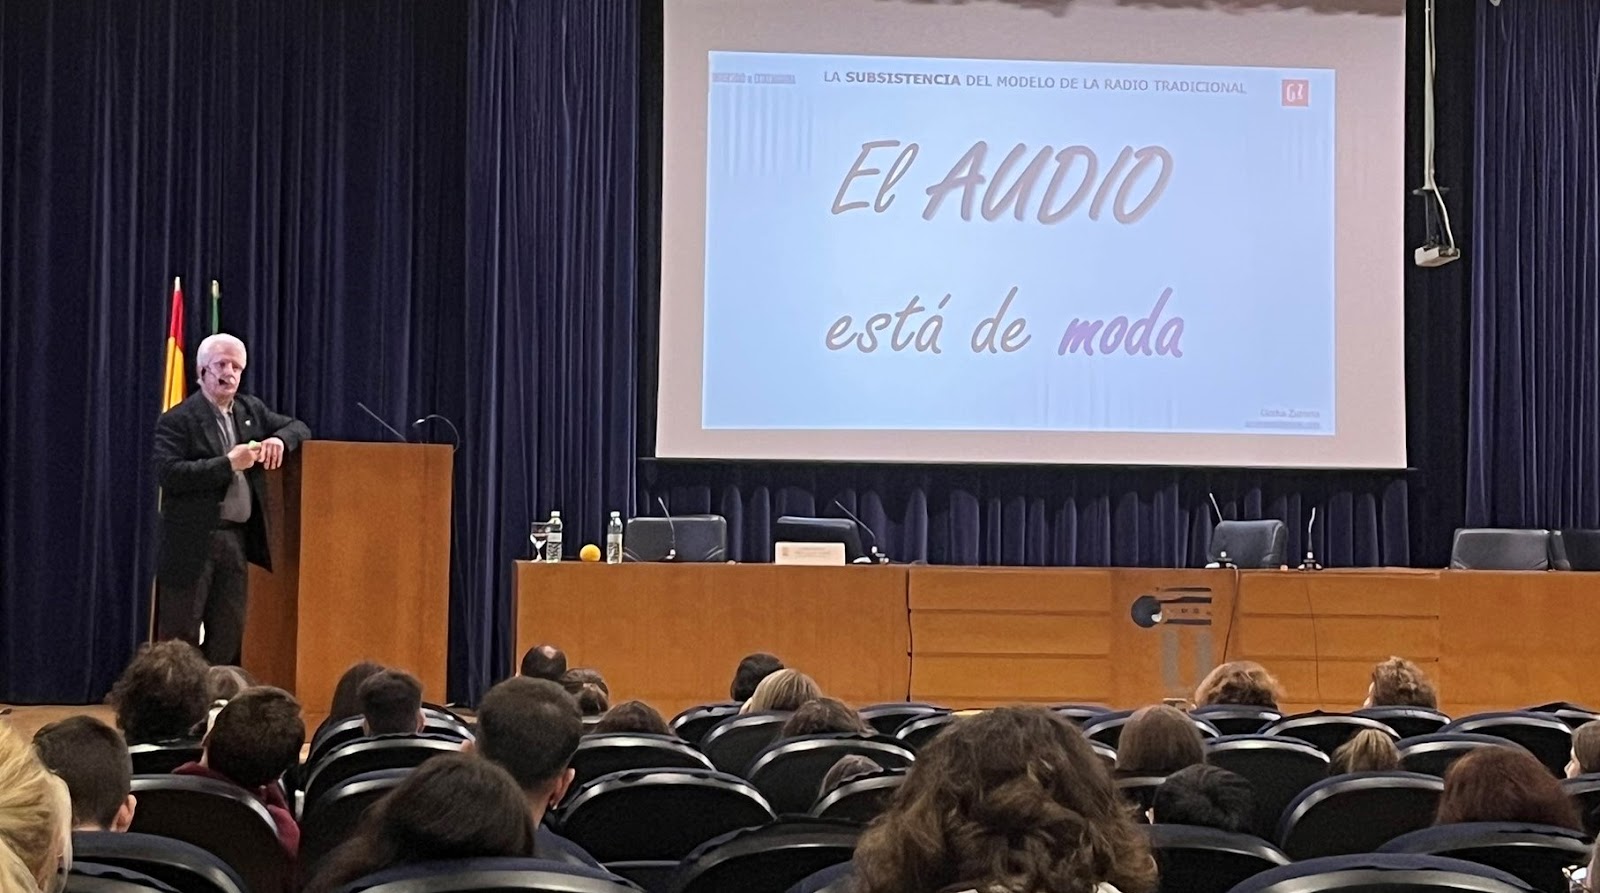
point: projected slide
(915, 244)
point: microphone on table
(386, 426)
(672, 532)
(874, 555)
(1214, 507)
(455, 443)
(1222, 557)
(1310, 563)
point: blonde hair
(35, 820)
(783, 690)
(1241, 682)
(1369, 750)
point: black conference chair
(1585, 792)
(1575, 550)
(1407, 722)
(162, 757)
(861, 799)
(734, 742)
(641, 824)
(91, 877)
(1500, 549)
(489, 876)
(767, 859)
(1546, 736)
(1573, 715)
(182, 866)
(1433, 754)
(1383, 873)
(345, 731)
(599, 755)
(918, 731)
(1250, 544)
(1233, 719)
(692, 724)
(336, 814)
(886, 719)
(1139, 791)
(1357, 813)
(1192, 859)
(370, 755)
(696, 538)
(789, 772)
(1325, 731)
(1080, 714)
(1538, 854)
(1277, 768)
(1106, 753)
(1107, 729)
(218, 817)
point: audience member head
(1398, 682)
(752, 669)
(1014, 798)
(786, 689)
(544, 662)
(1369, 750)
(257, 737)
(93, 760)
(1504, 784)
(1585, 750)
(163, 693)
(636, 717)
(346, 695)
(531, 727)
(576, 678)
(849, 767)
(592, 700)
(822, 716)
(225, 681)
(451, 807)
(1205, 795)
(35, 820)
(1158, 741)
(391, 703)
(1243, 683)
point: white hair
(209, 345)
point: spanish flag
(172, 387)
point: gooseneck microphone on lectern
(1311, 563)
(455, 443)
(874, 554)
(379, 419)
(672, 532)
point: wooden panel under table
(1515, 639)
(672, 634)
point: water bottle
(614, 539)
(552, 543)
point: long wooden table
(972, 637)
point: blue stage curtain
(1534, 444)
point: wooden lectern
(360, 537)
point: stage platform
(671, 635)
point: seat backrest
(692, 724)
(345, 731)
(1107, 728)
(689, 538)
(1407, 722)
(486, 875)
(772, 857)
(1325, 731)
(370, 755)
(599, 755)
(221, 818)
(886, 719)
(1250, 544)
(1500, 549)
(1433, 754)
(1192, 859)
(162, 757)
(1383, 873)
(1278, 769)
(734, 742)
(1139, 791)
(1357, 813)
(1106, 753)
(1080, 714)
(1585, 792)
(1547, 736)
(182, 866)
(92, 877)
(334, 817)
(789, 772)
(1233, 719)
(1573, 715)
(659, 814)
(1538, 854)
(861, 799)
(1575, 550)
(918, 731)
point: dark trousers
(215, 598)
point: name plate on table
(808, 553)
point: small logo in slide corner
(1296, 93)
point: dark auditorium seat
(91, 877)
(1538, 854)
(1192, 859)
(659, 815)
(687, 538)
(346, 731)
(162, 757)
(1325, 731)
(861, 799)
(1107, 728)
(370, 755)
(1357, 813)
(599, 755)
(1547, 736)
(1106, 753)
(1139, 791)
(1585, 791)
(1500, 549)
(1233, 719)
(734, 742)
(1383, 873)
(1278, 769)
(182, 866)
(335, 815)
(692, 724)
(917, 732)
(1080, 714)
(790, 771)
(886, 719)
(1575, 550)
(1433, 754)
(489, 876)
(218, 817)
(1407, 722)
(1250, 544)
(1573, 715)
(766, 859)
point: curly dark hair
(163, 693)
(1013, 798)
(1242, 682)
(1398, 682)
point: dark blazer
(192, 467)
